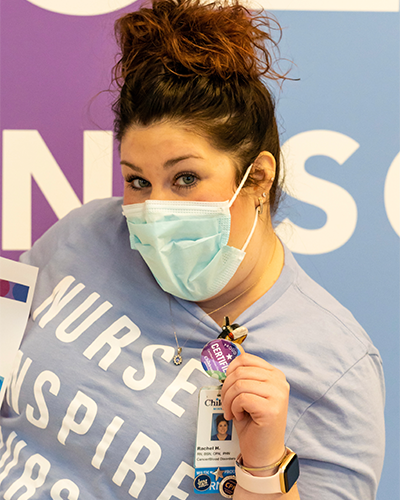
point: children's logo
(217, 402)
(81, 7)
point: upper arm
(340, 437)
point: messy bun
(201, 65)
(191, 38)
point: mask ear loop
(234, 198)
(240, 186)
(251, 232)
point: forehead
(162, 144)
(165, 134)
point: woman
(103, 400)
(222, 429)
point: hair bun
(188, 38)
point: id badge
(217, 446)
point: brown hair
(201, 65)
(220, 418)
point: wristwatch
(281, 482)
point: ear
(263, 171)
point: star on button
(218, 474)
(229, 356)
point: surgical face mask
(184, 243)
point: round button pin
(227, 486)
(216, 357)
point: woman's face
(168, 162)
(222, 427)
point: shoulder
(96, 218)
(322, 327)
(304, 328)
(90, 248)
(91, 216)
(315, 341)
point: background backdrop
(339, 124)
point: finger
(246, 373)
(265, 412)
(278, 394)
(255, 388)
(257, 373)
(247, 359)
(247, 405)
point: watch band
(269, 484)
(255, 484)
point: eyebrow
(174, 161)
(167, 164)
(131, 165)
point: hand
(256, 395)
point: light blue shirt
(97, 410)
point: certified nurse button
(217, 355)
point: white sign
(17, 284)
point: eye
(186, 180)
(137, 182)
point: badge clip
(234, 333)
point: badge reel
(217, 444)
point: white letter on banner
(339, 206)
(329, 5)
(128, 463)
(96, 7)
(81, 7)
(392, 194)
(80, 401)
(46, 376)
(97, 163)
(64, 485)
(26, 155)
(31, 478)
(172, 488)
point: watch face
(292, 472)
